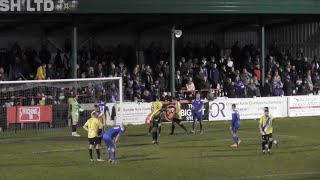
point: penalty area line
(279, 175)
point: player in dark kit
(155, 119)
(177, 117)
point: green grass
(58, 156)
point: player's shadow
(137, 135)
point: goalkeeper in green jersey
(75, 109)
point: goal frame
(118, 105)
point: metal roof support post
(172, 65)
(74, 49)
(262, 72)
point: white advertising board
(249, 108)
(303, 106)
(135, 113)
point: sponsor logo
(38, 5)
(29, 114)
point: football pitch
(58, 156)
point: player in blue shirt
(198, 106)
(104, 108)
(235, 125)
(110, 137)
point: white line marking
(277, 175)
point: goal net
(46, 105)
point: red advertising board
(29, 114)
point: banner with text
(29, 114)
(249, 108)
(303, 106)
(135, 113)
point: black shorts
(156, 122)
(93, 141)
(266, 137)
(175, 120)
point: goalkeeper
(155, 119)
(75, 108)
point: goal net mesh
(28, 106)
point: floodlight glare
(178, 33)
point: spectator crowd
(234, 73)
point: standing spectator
(239, 88)
(214, 76)
(308, 82)
(147, 96)
(41, 72)
(147, 78)
(91, 72)
(204, 83)
(178, 81)
(229, 89)
(306, 66)
(257, 72)
(252, 90)
(277, 86)
(112, 70)
(316, 81)
(294, 75)
(3, 76)
(245, 76)
(288, 87)
(135, 73)
(315, 65)
(210, 95)
(232, 73)
(236, 54)
(267, 89)
(229, 63)
(50, 72)
(45, 55)
(198, 78)
(99, 72)
(162, 82)
(129, 91)
(190, 85)
(17, 69)
(249, 65)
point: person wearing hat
(266, 129)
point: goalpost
(45, 104)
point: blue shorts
(235, 128)
(198, 116)
(109, 142)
